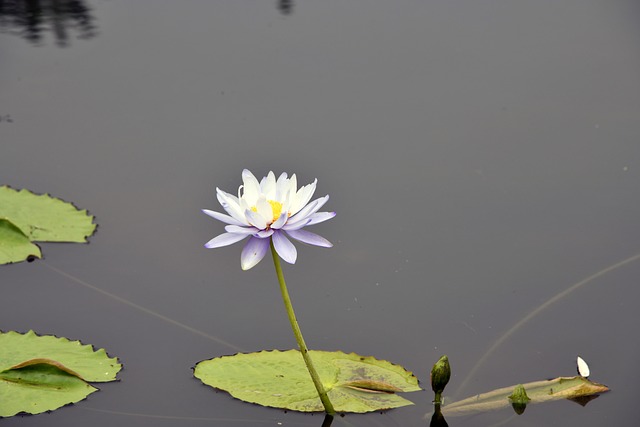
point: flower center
(276, 208)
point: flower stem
(328, 407)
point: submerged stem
(328, 407)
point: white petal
(244, 206)
(303, 214)
(285, 248)
(224, 239)
(253, 252)
(583, 368)
(282, 186)
(309, 210)
(293, 184)
(251, 189)
(231, 204)
(255, 219)
(302, 197)
(229, 198)
(222, 217)
(286, 202)
(264, 209)
(268, 186)
(310, 238)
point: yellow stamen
(276, 207)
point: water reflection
(519, 407)
(437, 419)
(32, 19)
(285, 7)
(328, 419)
(583, 400)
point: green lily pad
(43, 373)
(573, 388)
(38, 388)
(280, 379)
(89, 364)
(15, 246)
(40, 218)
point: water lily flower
(266, 211)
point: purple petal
(319, 217)
(310, 238)
(321, 201)
(302, 215)
(284, 247)
(240, 230)
(282, 220)
(222, 217)
(224, 239)
(296, 225)
(253, 252)
(263, 234)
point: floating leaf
(43, 373)
(94, 366)
(38, 388)
(280, 379)
(41, 218)
(15, 246)
(44, 218)
(538, 392)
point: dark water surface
(482, 156)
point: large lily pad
(43, 373)
(559, 388)
(15, 246)
(40, 218)
(280, 379)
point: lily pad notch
(26, 217)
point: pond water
(482, 157)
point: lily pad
(15, 246)
(559, 388)
(43, 373)
(38, 388)
(41, 218)
(89, 364)
(280, 379)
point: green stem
(328, 407)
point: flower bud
(440, 374)
(519, 399)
